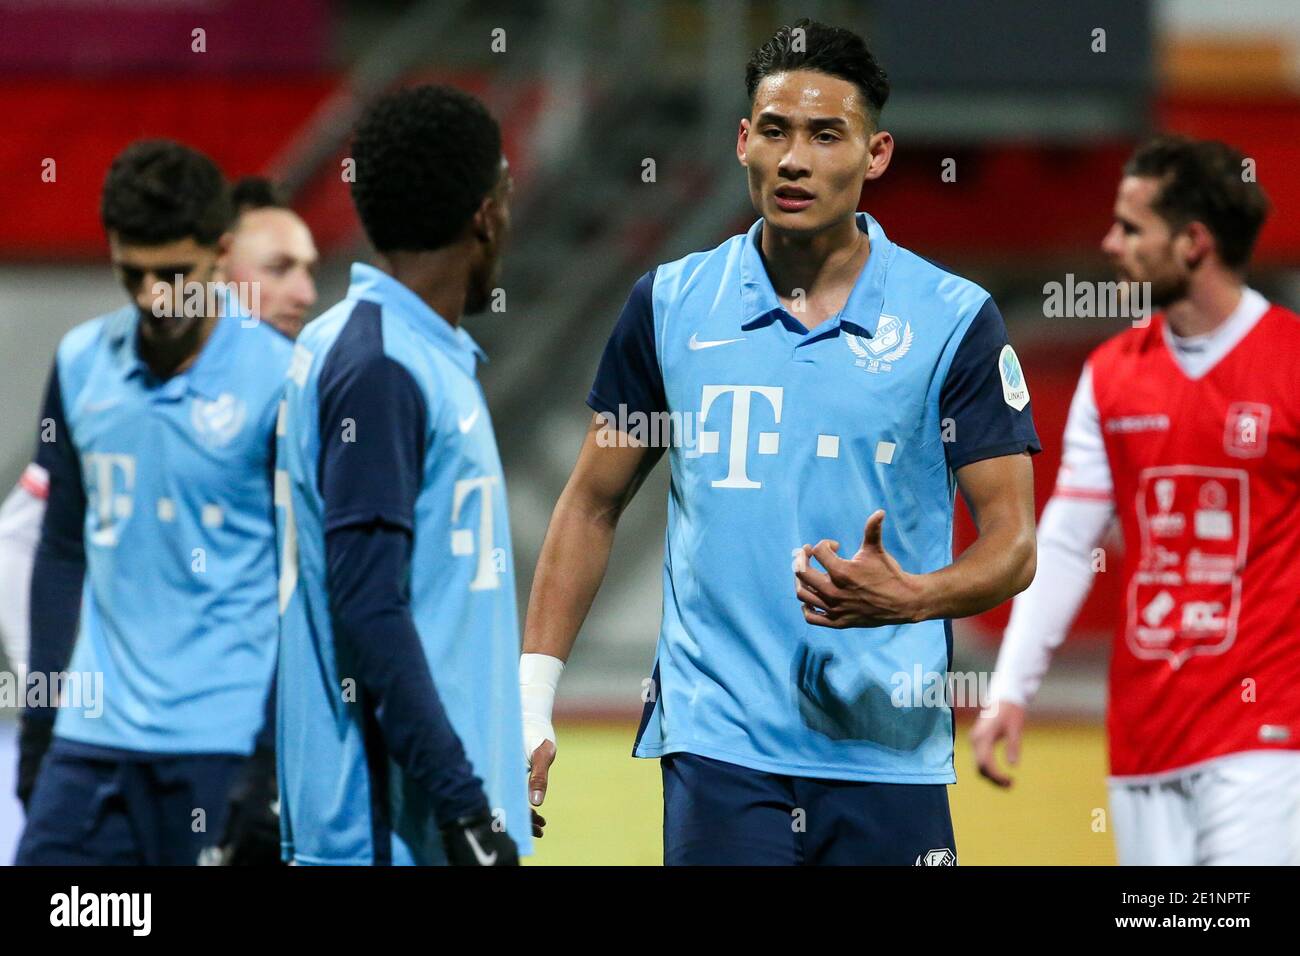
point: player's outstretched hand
(474, 841)
(1003, 721)
(868, 590)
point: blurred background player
(399, 630)
(157, 438)
(267, 244)
(846, 354)
(1188, 430)
(270, 249)
(269, 259)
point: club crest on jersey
(218, 421)
(1245, 433)
(893, 340)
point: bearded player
(268, 247)
(156, 560)
(1188, 430)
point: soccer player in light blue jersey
(816, 376)
(154, 583)
(399, 723)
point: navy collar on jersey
(209, 374)
(378, 286)
(760, 306)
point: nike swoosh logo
(695, 344)
(465, 424)
(484, 859)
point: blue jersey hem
(299, 860)
(794, 770)
(184, 748)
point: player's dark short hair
(426, 156)
(158, 191)
(809, 45)
(1205, 181)
(255, 192)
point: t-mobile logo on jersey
(486, 575)
(769, 442)
(104, 501)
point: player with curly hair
(399, 719)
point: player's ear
(1199, 242)
(224, 244)
(742, 140)
(881, 148)
(483, 225)
(489, 221)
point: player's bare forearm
(1002, 560)
(576, 550)
(569, 571)
(871, 589)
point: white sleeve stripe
(1041, 616)
(1091, 494)
(1084, 463)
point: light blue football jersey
(344, 799)
(178, 610)
(790, 436)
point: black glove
(475, 841)
(34, 736)
(252, 833)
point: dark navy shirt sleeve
(372, 426)
(59, 570)
(978, 420)
(368, 571)
(629, 372)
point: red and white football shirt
(1202, 446)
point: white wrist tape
(538, 676)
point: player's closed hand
(252, 831)
(479, 841)
(1004, 721)
(868, 590)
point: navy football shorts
(721, 814)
